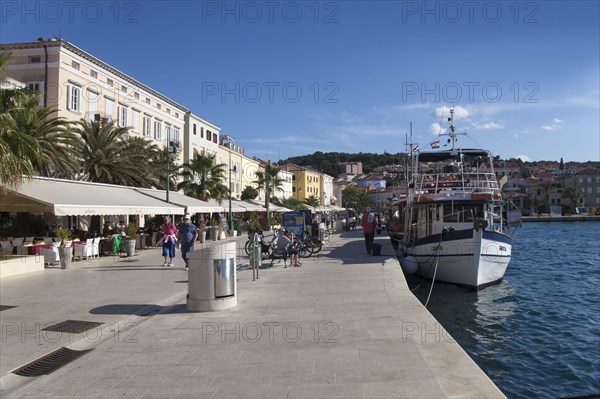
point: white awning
(249, 206)
(192, 205)
(224, 205)
(76, 198)
(272, 206)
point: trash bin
(224, 272)
(377, 249)
(212, 278)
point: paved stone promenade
(342, 325)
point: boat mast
(452, 131)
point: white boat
(454, 229)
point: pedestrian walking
(169, 241)
(368, 223)
(187, 234)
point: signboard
(294, 221)
(307, 216)
(555, 210)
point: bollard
(255, 257)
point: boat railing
(457, 183)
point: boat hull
(471, 258)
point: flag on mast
(415, 148)
(435, 144)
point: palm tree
(547, 189)
(269, 181)
(18, 150)
(572, 193)
(534, 206)
(157, 165)
(291, 203)
(312, 201)
(106, 156)
(203, 178)
(55, 141)
(249, 193)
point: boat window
(450, 214)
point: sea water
(537, 333)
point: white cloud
(459, 112)
(488, 125)
(523, 158)
(557, 124)
(435, 129)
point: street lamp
(234, 170)
(168, 152)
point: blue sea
(536, 334)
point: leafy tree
(203, 178)
(249, 193)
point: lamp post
(168, 155)
(230, 189)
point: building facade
(327, 196)
(351, 168)
(77, 85)
(306, 182)
(200, 137)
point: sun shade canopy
(193, 205)
(77, 198)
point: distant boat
(455, 225)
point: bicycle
(314, 244)
(266, 248)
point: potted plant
(214, 229)
(202, 230)
(64, 252)
(237, 225)
(130, 238)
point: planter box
(16, 265)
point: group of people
(184, 237)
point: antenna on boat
(452, 130)
(453, 133)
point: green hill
(327, 162)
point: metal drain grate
(6, 307)
(50, 363)
(72, 326)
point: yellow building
(306, 182)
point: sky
(288, 78)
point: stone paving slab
(342, 325)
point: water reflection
(472, 318)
